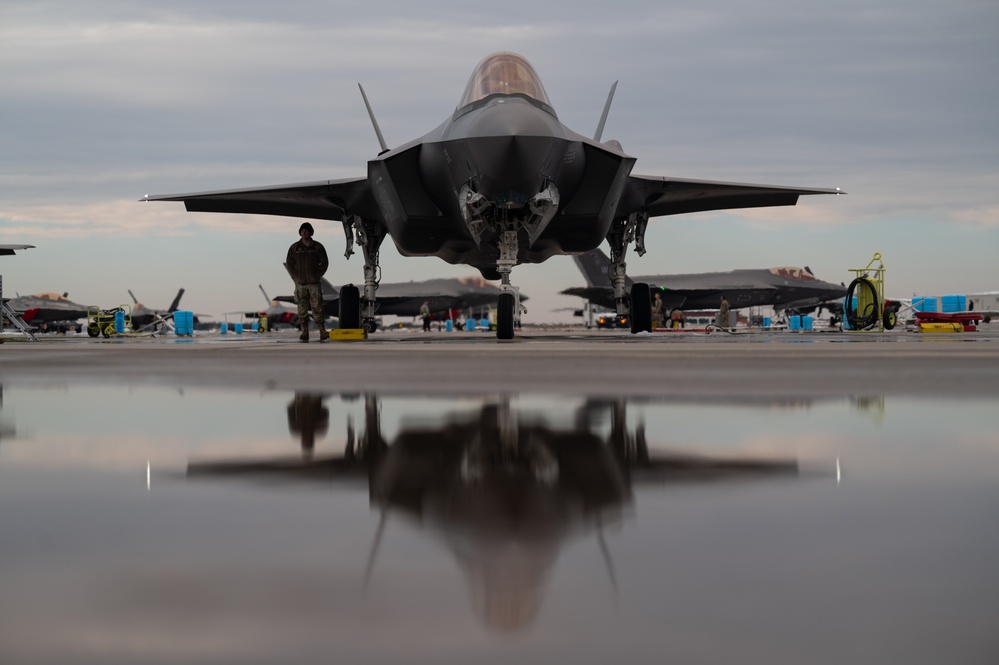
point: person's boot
(304, 337)
(323, 335)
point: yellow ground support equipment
(348, 334)
(107, 322)
(865, 299)
(927, 327)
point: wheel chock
(348, 334)
(941, 327)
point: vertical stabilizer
(327, 289)
(176, 301)
(595, 267)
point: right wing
(322, 199)
(660, 195)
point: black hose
(871, 315)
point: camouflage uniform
(307, 264)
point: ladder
(6, 311)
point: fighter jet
(144, 317)
(781, 288)
(500, 182)
(445, 297)
(277, 312)
(45, 308)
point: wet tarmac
(568, 496)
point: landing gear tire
(641, 308)
(369, 326)
(504, 316)
(889, 319)
(350, 307)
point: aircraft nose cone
(511, 117)
(510, 145)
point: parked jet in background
(277, 312)
(780, 288)
(499, 183)
(144, 317)
(444, 296)
(45, 308)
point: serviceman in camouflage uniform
(307, 262)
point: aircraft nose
(511, 146)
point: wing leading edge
(663, 195)
(321, 199)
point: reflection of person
(657, 311)
(307, 417)
(425, 315)
(723, 309)
(307, 263)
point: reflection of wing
(673, 196)
(322, 199)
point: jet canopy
(801, 275)
(504, 73)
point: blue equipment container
(256, 326)
(183, 322)
(953, 303)
(119, 322)
(806, 322)
(794, 322)
(237, 328)
(766, 323)
(448, 326)
(484, 323)
(470, 325)
(224, 328)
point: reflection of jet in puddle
(500, 487)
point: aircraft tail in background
(176, 301)
(595, 266)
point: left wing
(322, 199)
(8, 250)
(660, 195)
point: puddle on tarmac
(147, 525)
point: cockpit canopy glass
(503, 73)
(793, 273)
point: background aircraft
(500, 182)
(46, 308)
(446, 297)
(145, 317)
(500, 487)
(277, 313)
(780, 288)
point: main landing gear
(636, 305)
(357, 310)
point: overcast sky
(102, 102)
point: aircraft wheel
(890, 318)
(504, 316)
(369, 325)
(350, 306)
(93, 329)
(641, 308)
